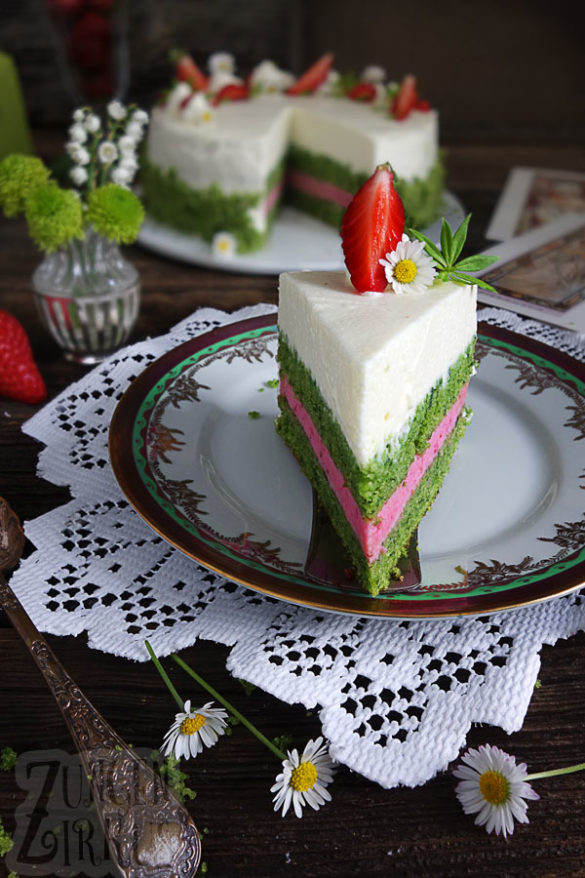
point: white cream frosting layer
(374, 357)
(244, 140)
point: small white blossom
(177, 95)
(107, 152)
(140, 117)
(92, 123)
(122, 176)
(116, 111)
(221, 78)
(78, 133)
(329, 86)
(303, 780)
(127, 145)
(223, 245)
(79, 175)
(268, 77)
(129, 163)
(493, 786)
(78, 153)
(135, 130)
(198, 109)
(221, 62)
(79, 115)
(373, 73)
(408, 268)
(194, 729)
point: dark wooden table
(365, 830)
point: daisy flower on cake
(408, 268)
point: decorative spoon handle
(150, 834)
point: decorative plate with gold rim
(193, 447)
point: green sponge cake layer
(374, 577)
(373, 483)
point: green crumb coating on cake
(375, 577)
(422, 198)
(204, 212)
(373, 483)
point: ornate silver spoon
(150, 834)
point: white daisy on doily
(408, 268)
(493, 786)
(303, 780)
(194, 729)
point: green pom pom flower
(19, 175)
(54, 216)
(115, 212)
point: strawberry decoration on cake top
(407, 99)
(315, 76)
(372, 226)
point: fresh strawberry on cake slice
(315, 76)
(371, 227)
(186, 70)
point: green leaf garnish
(448, 268)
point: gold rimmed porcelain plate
(194, 449)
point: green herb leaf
(447, 242)
(476, 263)
(459, 238)
(430, 247)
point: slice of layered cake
(373, 386)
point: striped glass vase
(88, 295)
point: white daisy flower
(79, 175)
(269, 77)
(303, 780)
(221, 62)
(78, 133)
(408, 268)
(192, 729)
(373, 73)
(198, 109)
(116, 110)
(223, 245)
(107, 152)
(92, 123)
(493, 786)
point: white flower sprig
(495, 787)
(105, 153)
(303, 780)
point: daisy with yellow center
(303, 780)
(494, 786)
(194, 729)
(408, 268)
(223, 245)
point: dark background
(496, 69)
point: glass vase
(88, 295)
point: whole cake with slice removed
(374, 370)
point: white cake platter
(298, 242)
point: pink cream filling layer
(371, 533)
(319, 188)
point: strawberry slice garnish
(19, 376)
(405, 99)
(186, 70)
(422, 105)
(234, 91)
(362, 91)
(372, 226)
(313, 77)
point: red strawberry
(362, 91)
(372, 226)
(405, 99)
(19, 376)
(422, 105)
(186, 70)
(313, 77)
(232, 92)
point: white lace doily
(395, 699)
